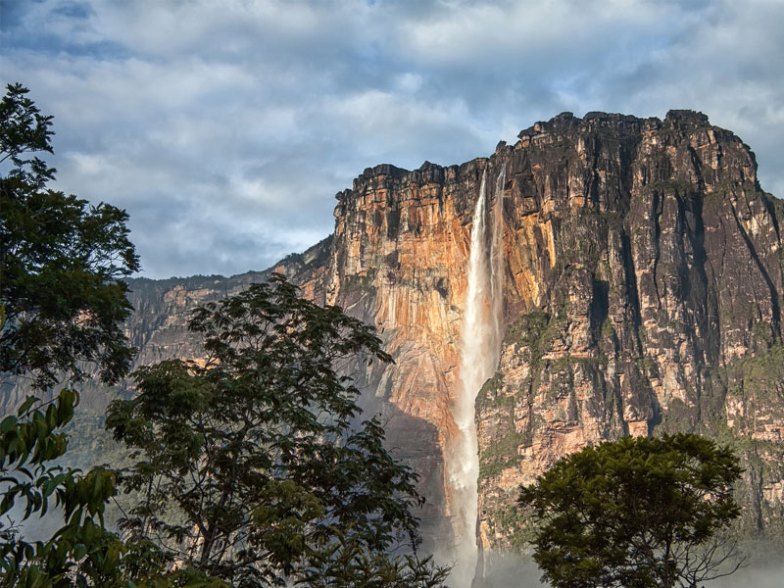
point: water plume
(480, 347)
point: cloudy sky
(225, 127)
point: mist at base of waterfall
(512, 570)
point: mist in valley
(507, 570)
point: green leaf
(8, 424)
(26, 405)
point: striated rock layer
(643, 293)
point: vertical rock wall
(643, 294)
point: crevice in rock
(774, 296)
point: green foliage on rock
(501, 455)
(759, 378)
(535, 331)
(253, 467)
(636, 512)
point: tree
(253, 467)
(637, 512)
(62, 304)
(62, 297)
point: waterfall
(481, 342)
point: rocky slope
(643, 290)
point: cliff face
(643, 272)
(664, 280)
(643, 268)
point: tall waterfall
(481, 342)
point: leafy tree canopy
(253, 466)
(61, 304)
(62, 300)
(637, 512)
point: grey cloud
(225, 128)
(728, 67)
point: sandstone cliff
(643, 269)
(643, 290)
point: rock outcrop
(643, 293)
